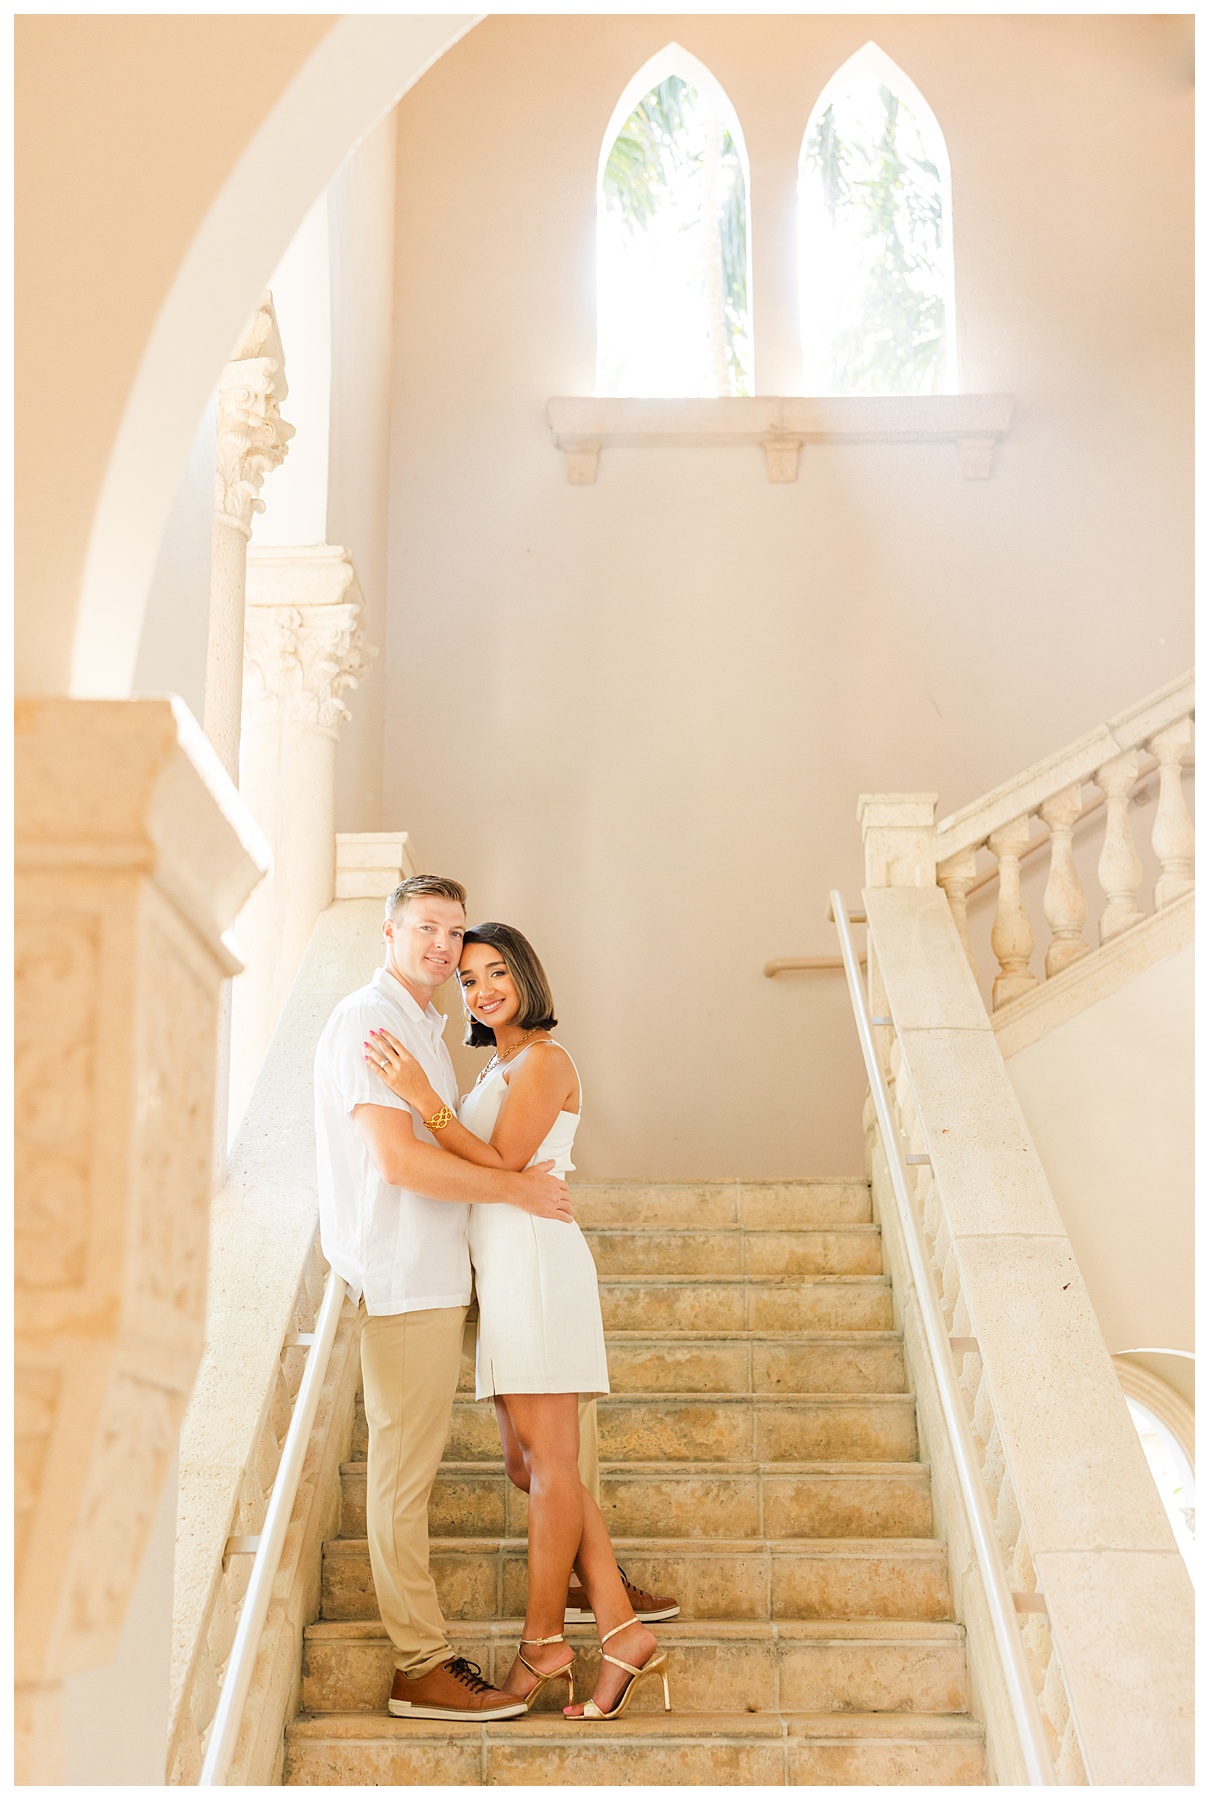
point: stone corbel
(303, 644)
(133, 852)
(781, 458)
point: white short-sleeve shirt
(405, 1252)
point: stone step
(704, 1205)
(827, 1303)
(712, 1428)
(693, 1500)
(737, 1250)
(737, 1749)
(791, 1665)
(786, 1362)
(869, 1362)
(846, 1578)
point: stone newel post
(304, 650)
(133, 855)
(898, 832)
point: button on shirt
(404, 1251)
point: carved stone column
(304, 650)
(133, 855)
(252, 439)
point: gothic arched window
(673, 267)
(875, 237)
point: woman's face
(487, 988)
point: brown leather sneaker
(650, 1608)
(453, 1690)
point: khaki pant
(409, 1369)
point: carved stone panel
(133, 853)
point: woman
(540, 1337)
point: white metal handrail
(1001, 1605)
(228, 1716)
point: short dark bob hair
(520, 959)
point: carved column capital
(303, 644)
(252, 435)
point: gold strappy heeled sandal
(656, 1666)
(566, 1672)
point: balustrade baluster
(956, 877)
(1119, 870)
(1069, 1762)
(1064, 905)
(1173, 838)
(1011, 933)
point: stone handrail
(1052, 791)
(1106, 1601)
(939, 1350)
(265, 1284)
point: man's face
(424, 940)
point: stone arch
(359, 71)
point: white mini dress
(540, 1330)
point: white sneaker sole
(404, 1709)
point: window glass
(874, 238)
(672, 247)
(1172, 1476)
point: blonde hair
(417, 886)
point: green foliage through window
(874, 271)
(674, 183)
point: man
(393, 1210)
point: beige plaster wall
(172, 648)
(113, 177)
(1108, 1098)
(635, 717)
(361, 209)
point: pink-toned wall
(636, 717)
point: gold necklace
(498, 1061)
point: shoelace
(462, 1669)
(628, 1583)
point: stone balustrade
(1105, 1602)
(265, 1284)
(208, 1629)
(1151, 743)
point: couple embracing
(414, 1187)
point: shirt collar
(389, 985)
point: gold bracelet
(439, 1120)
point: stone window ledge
(583, 427)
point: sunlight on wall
(673, 252)
(875, 238)
(1172, 1476)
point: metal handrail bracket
(1001, 1602)
(237, 1679)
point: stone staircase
(759, 1459)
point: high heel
(566, 1671)
(657, 1665)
